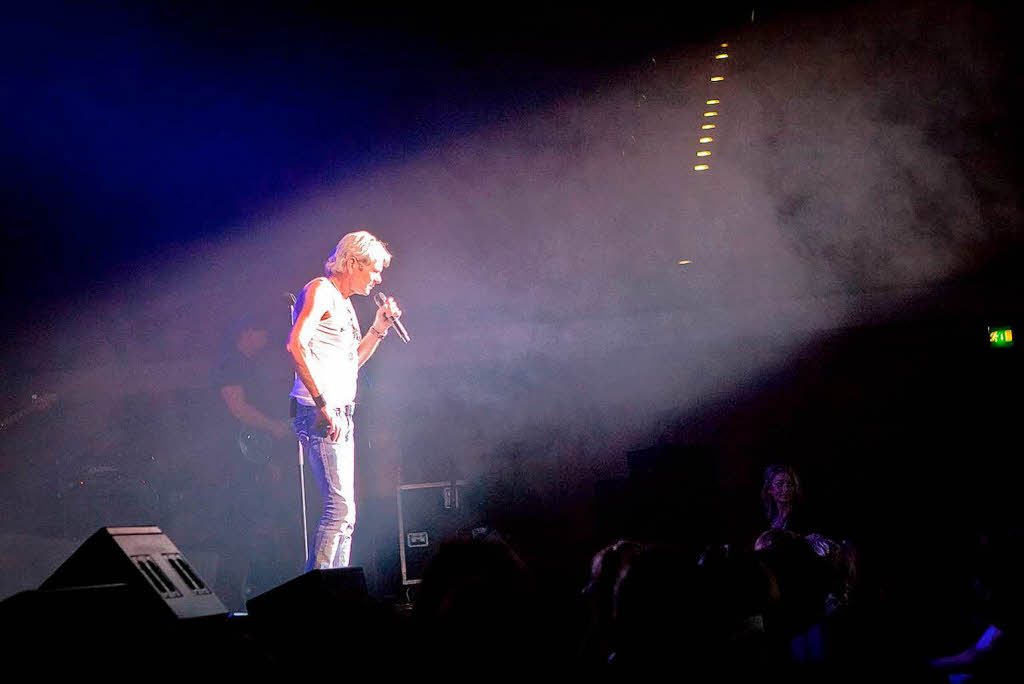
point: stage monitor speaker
(164, 583)
(327, 594)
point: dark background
(171, 168)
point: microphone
(291, 309)
(381, 299)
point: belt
(346, 409)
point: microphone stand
(293, 410)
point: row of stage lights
(711, 109)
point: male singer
(328, 350)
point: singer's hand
(387, 313)
(332, 420)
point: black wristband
(318, 401)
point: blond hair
(360, 245)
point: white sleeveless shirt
(333, 357)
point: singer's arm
(367, 346)
(386, 315)
(314, 306)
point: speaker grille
(158, 579)
(189, 576)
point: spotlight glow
(723, 55)
(710, 113)
(725, 45)
(701, 167)
(704, 153)
(713, 102)
(716, 79)
(706, 139)
(683, 262)
(707, 127)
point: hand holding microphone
(389, 313)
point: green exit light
(1000, 337)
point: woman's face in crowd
(783, 488)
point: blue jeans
(334, 469)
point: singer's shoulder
(317, 292)
(315, 285)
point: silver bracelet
(380, 335)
